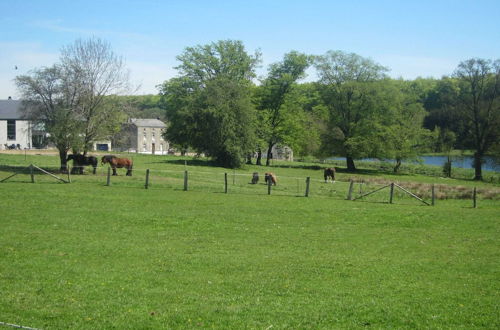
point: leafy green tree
(346, 84)
(177, 97)
(224, 121)
(281, 120)
(306, 96)
(208, 107)
(403, 136)
(443, 117)
(479, 105)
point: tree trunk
(478, 163)
(259, 157)
(269, 153)
(249, 159)
(63, 155)
(398, 165)
(350, 164)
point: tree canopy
(347, 84)
(209, 105)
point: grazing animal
(270, 177)
(80, 161)
(116, 162)
(255, 178)
(329, 173)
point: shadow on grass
(189, 162)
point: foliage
(208, 107)
(223, 128)
(479, 105)
(402, 135)
(347, 86)
(280, 118)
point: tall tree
(177, 97)
(208, 107)
(479, 105)
(48, 101)
(97, 71)
(275, 115)
(402, 136)
(346, 85)
(69, 97)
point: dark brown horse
(80, 161)
(116, 162)
(329, 173)
(255, 178)
(270, 177)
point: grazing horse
(329, 173)
(255, 178)
(116, 162)
(270, 177)
(79, 161)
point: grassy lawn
(84, 255)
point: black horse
(329, 173)
(79, 161)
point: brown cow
(329, 173)
(270, 177)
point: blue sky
(411, 38)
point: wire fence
(371, 190)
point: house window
(11, 129)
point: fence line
(219, 181)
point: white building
(14, 130)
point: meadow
(85, 255)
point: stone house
(143, 136)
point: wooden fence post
(108, 179)
(433, 195)
(269, 183)
(351, 187)
(185, 180)
(474, 197)
(225, 183)
(308, 179)
(392, 193)
(147, 179)
(32, 174)
(234, 177)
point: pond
(457, 161)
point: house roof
(10, 109)
(148, 122)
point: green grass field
(85, 255)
